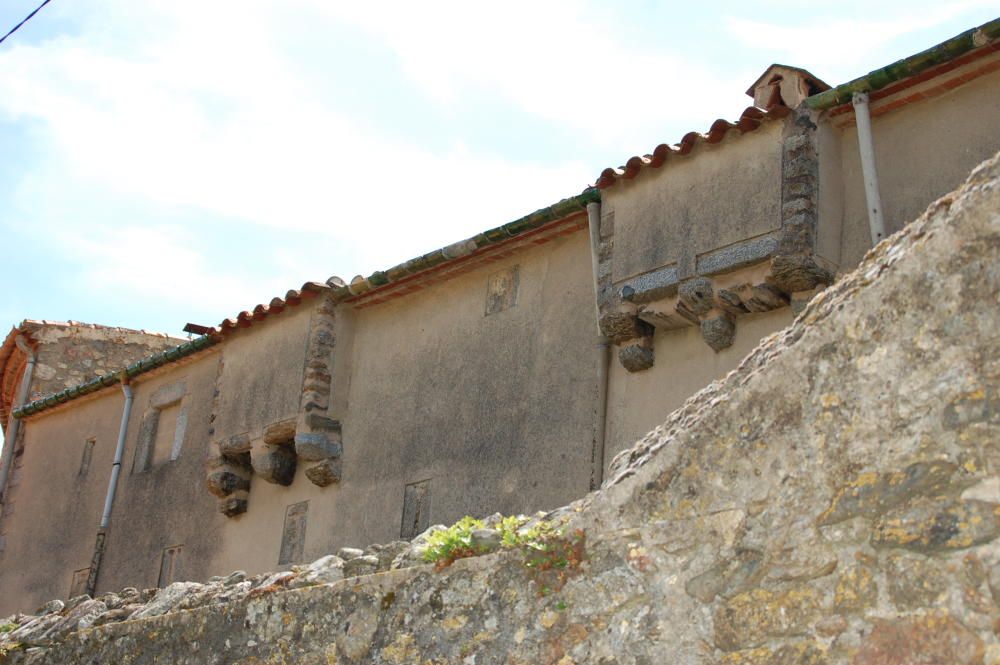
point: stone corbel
(795, 270)
(319, 440)
(229, 474)
(623, 327)
(274, 459)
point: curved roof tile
(751, 118)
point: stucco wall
(167, 504)
(51, 521)
(923, 151)
(718, 195)
(262, 378)
(497, 411)
(52, 513)
(791, 514)
(684, 364)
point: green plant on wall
(548, 553)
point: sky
(182, 160)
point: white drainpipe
(109, 500)
(603, 347)
(14, 424)
(116, 466)
(866, 147)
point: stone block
(280, 433)
(362, 565)
(915, 581)
(315, 446)
(319, 423)
(234, 504)
(275, 464)
(325, 473)
(235, 445)
(167, 395)
(926, 638)
(619, 327)
(935, 525)
(803, 165)
(225, 480)
(856, 590)
(719, 331)
(636, 357)
(792, 273)
(751, 618)
(697, 295)
(348, 553)
(762, 298)
(727, 577)
(871, 494)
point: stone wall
(74, 353)
(835, 499)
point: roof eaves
(381, 279)
(751, 118)
(141, 366)
(942, 53)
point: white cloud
(205, 106)
(570, 63)
(832, 47)
(224, 123)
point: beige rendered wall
(51, 523)
(923, 151)
(684, 365)
(718, 195)
(497, 411)
(51, 518)
(167, 504)
(261, 380)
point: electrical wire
(26, 19)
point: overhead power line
(26, 19)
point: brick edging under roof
(946, 52)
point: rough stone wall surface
(836, 499)
(70, 355)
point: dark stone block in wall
(233, 505)
(501, 290)
(277, 465)
(224, 481)
(719, 332)
(325, 473)
(636, 357)
(293, 536)
(416, 509)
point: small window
(293, 536)
(78, 586)
(416, 509)
(169, 565)
(166, 428)
(88, 453)
(161, 435)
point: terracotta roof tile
(751, 118)
(245, 319)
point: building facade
(500, 373)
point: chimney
(781, 85)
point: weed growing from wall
(550, 555)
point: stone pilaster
(794, 267)
(318, 437)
